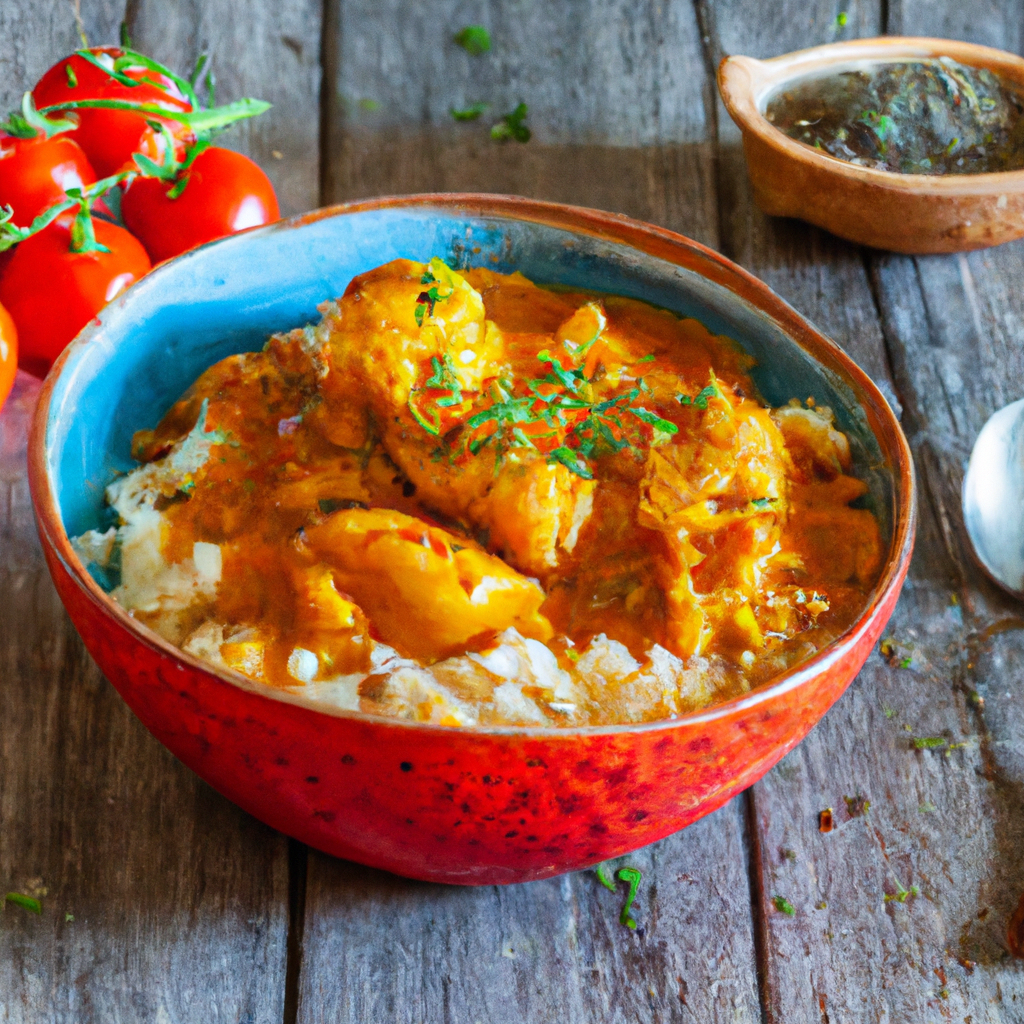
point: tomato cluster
(105, 122)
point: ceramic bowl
(911, 213)
(476, 805)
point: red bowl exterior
(477, 806)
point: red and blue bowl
(478, 805)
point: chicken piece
(407, 329)
(814, 444)
(534, 512)
(719, 503)
(383, 334)
(427, 591)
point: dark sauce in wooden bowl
(911, 117)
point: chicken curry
(464, 498)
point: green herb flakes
(632, 877)
(437, 277)
(929, 742)
(511, 126)
(469, 113)
(783, 905)
(901, 895)
(474, 39)
(572, 461)
(701, 400)
(29, 903)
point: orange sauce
(707, 525)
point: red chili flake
(825, 820)
(1015, 931)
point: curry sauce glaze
(350, 506)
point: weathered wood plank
(35, 35)
(267, 50)
(622, 125)
(852, 952)
(954, 326)
(378, 947)
(155, 890)
(990, 22)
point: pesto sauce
(911, 117)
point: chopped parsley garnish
(929, 742)
(901, 895)
(511, 126)
(559, 414)
(474, 39)
(470, 113)
(559, 417)
(632, 877)
(432, 425)
(783, 905)
(436, 276)
(444, 379)
(701, 400)
(661, 426)
(25, 902)
(572, 461)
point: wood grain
(270, 51)
(382, 948)
(34, 36)
(155, 890)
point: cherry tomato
(109, 137)
(226, 192)
(35, 173)
(8, 354)
(51, 293)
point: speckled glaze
(466, 806)
(911, 213)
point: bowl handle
(739, 81)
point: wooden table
(164, 903)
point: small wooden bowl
(911, 213)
